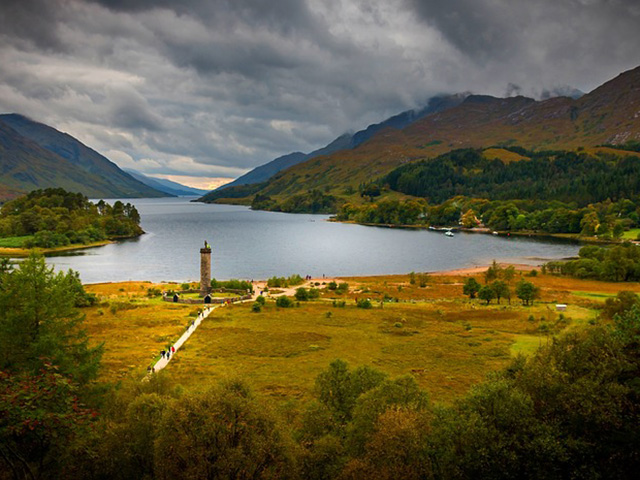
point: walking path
(164, 361)
(258, 287)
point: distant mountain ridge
(610, 114)
(166, 186)
(344, 141)
(35, 155)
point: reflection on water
(252, 244)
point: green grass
(594, 295)
(14, 242)
(527, 344)
(631, 234)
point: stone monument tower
(205, 269)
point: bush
(153, 292)
(302, 294)
(342, 288)
(256, 307)
(364, 303)
(185, 286)
(260, 300)
(284, 302)
(332, 285)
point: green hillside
(33, 156)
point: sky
(202, 91)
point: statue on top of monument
(206, 244)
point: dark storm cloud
(221, 86)
(545, 30)
(33, 21)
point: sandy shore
(482, 268)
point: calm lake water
(256, 245)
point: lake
(256, 245)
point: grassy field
(446, 345)
(631, 234)
(133, 327)
(14, 242)
(435, 333)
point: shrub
(332, 285)
(284, 302)
(153, 292)
(185, 286)
(302, 294)
(294, 280)
(364, 303)
(260, 300)
(256, 307)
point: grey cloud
(513, 90)
(220, 84)
(572, 36)
(129, 110)
(33, 22)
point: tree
(225, 432)
(527, 292)
(501, 290)
(338, 388)
(493, 272)
(40, 415)
(471, 287)
(39, 322)
(400, 392)
(622, 303)
(487, 294)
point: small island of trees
(55, 218)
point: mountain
(166, 186)
(345, 141)
(266, 171)
(610, 114)
(26, 166)
(404, 119)
(114, 181)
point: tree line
(564, 176)
(606, 220)
(620, 263)
(54, 217)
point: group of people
(168, 352)
(171, 350)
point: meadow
(435, 333)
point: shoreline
(570, 237)
(465, 271)
(24, 252)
